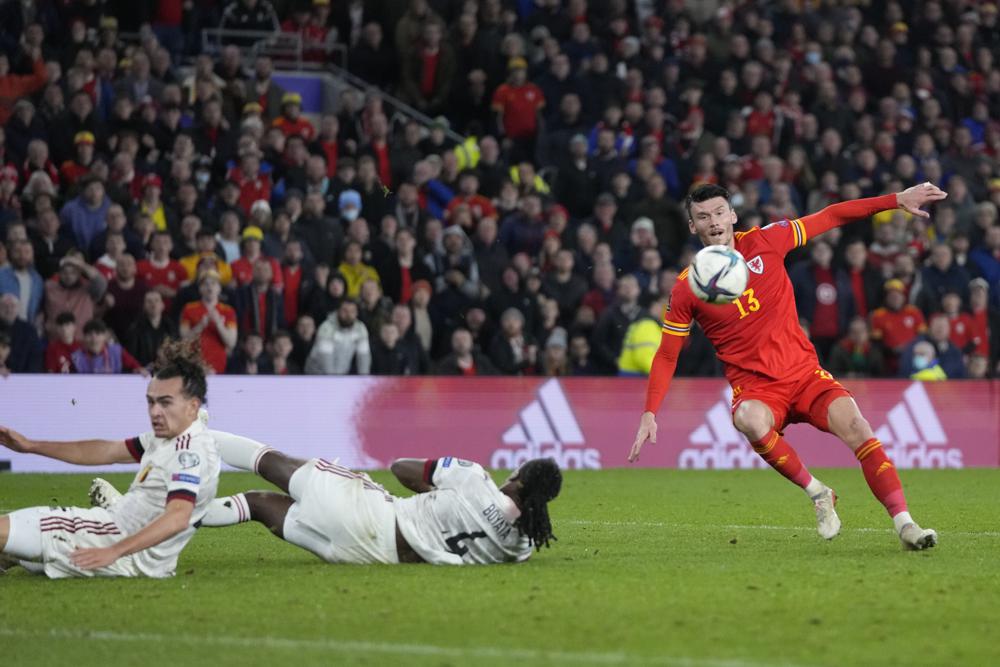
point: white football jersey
(466, 519)
(185, 467)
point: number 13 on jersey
(753, 305)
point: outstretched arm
(414, 474)
(660, 375)
(910, 200)
(80, 452)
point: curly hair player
(458, 516)
(769, 362)
(144, 533)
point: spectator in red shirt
(963, 335)
(291, 121)
(428, 71)
(211, 322)
(897, 324)
(468, 194)
(59, 353)
(985, 320)
(517, 104)
(250, 252)
(73, 170)
(761, 119)
(159, 272)
(259, 307)
(866, 281)
(253, 185)
(291, 276)
(823, 297)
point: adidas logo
(882, 468)
(913, 437)
(546, 427)
(717, 443)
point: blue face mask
(814, 57)
(921, 362)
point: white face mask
(921, 362)
(350, 214)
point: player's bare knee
(278, 468)
(751, 420)
(858, 431)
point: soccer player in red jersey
(772, 367)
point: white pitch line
(390, 648)
(663, 524)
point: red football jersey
(757, 337)
(213, 350)
(171, 275)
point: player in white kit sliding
(143, 534)
(459, 516)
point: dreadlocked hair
(540, 480)
(180, 359)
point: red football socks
(881, 476)
(779, 455)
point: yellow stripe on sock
(867, 449)
(768, 447)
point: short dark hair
(704, 193)
(95, 326)
(182, 359)
(65, 317)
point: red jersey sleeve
(785, 236)
(679, 313)
(676, 325)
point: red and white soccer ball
(718, 274)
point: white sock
(32, 567)
(814, 487)
(227, 511)
(901, 520)
(240, 452)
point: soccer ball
(718, 274)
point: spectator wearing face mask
(944, 352)
(924, 363)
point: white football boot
(916, 538)
(827, 521)
(103, 494)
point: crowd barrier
(366, 422)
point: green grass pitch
(652, 567)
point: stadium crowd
(142, 201)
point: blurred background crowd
(532, 224)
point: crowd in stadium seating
(142, 200)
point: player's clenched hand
(911, 199)
(13, 440)
(92, 559)
(647, 431)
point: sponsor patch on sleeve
(186, 479)
(446, 462)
